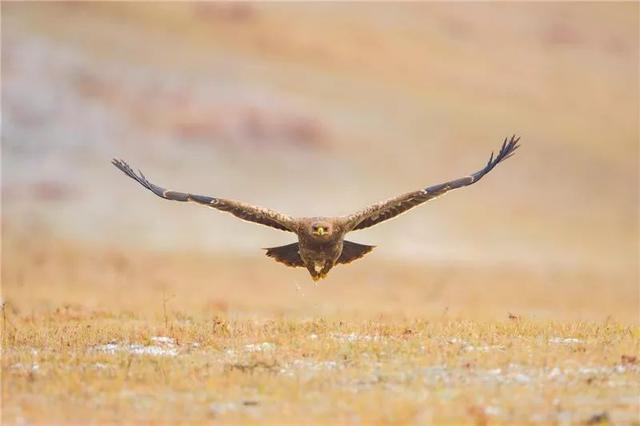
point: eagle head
(321, 229)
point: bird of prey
(321, 244)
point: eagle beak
(320, 231)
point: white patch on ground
(521, 378)
(250, 407)
(468, 347)
(564, 340)
(260, 347)
(492, 411)
(223, 407)
(152, 350)
(297, 366)
(620, 369)
(29, 367)
(514, 374)
(110, 348)
(163, 340)
(592, 370)
(484, 348)
(164, 346)
(354, 337)
(555, 373)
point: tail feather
(352, 251)
(288, 255)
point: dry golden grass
(95, 335)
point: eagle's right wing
(385, 210)
(241, 210)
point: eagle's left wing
(243, 211)
(385, 210)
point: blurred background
(321, 109)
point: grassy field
(98, 335)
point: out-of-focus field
(513, 301)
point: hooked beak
(320, 231)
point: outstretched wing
(243, 211)
(388, 209)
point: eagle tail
(288, 255)
(352, 251)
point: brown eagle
(321, 244)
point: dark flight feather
(385, 210)
(241, 210)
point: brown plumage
(321, 244)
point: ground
(108, 336)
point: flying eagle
(321, 244)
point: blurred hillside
(321, 109)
